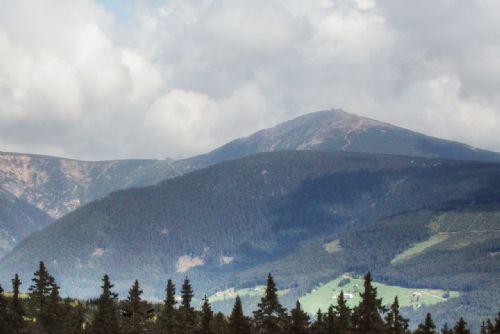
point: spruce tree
(51, 318)
(299, 320)
(40, 289)
(186, 311)
(220, 324)
(238, 323)
(331, 320)
(428, 327)
(343, 312)
(270, 316)
(319, 326)
(106, 316)
(395, 323)
(75, 317)
(167, 318)
(16, 306)
(206, 317)
(5, 318)
(367, 315)
(461, 327)
(495, 329)
(446, 329)
(135, 311)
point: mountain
(337, 130)
(18, 219)
(58, 186)
(306, 216)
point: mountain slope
(231, 223)
(337, 130)
(58, 186)
(18, 219)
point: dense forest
(43, 311)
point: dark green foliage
(221, 326)
(319, 326)
(16, 307)
(428, 327)
(270, 316)
(367, 315)
(5, 316)
(394, 321)
(186, 312)
(75, 317)
(446, 329)
(106, 316)
(343, 323)
(53, 313)
(135, 311)
(330, 319)
(461, 327)
(238, 323)
(299, 320)
(167, 318)
(207, 315)
(41, 289)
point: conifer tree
(106, 316)
(16, 306)
(495, 329)
(331, 321)
(299, 320)
(461, 327)
(75, 317)
(485, 329)
(367, 315)
(220, 324)
(186, 311)
(343, 312)
(167, 318)
(5, 319)
(270, 316)
(53, 313)
(206, 318)
(446, 329)
(40, 289)
(319, 326)
(135, 311)
(238, 323)
(428, 327)
(395, 323)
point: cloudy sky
(132, 79)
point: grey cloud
(182, 77)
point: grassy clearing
(325, 295)
(419, 248)
(333, 246)
(231, 293)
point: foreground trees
(45, 312)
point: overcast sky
(132, 79)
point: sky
(110, 79)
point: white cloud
(182, 78)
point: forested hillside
(230, 224)
(42, 310)
(18, 219)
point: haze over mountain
(18, 219)
(58, 186)
(227, 224)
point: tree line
(45, 312)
